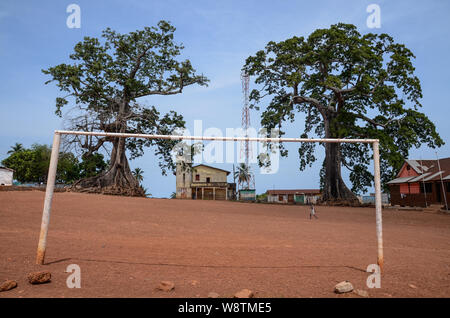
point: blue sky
(218, 36)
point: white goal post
(54, 163)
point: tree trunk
(334, 189)
(118, 179)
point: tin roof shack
(6, 176)
(203, 182)
(299, 196)
(419, 184)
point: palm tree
(243, 175)
(138, 173)
(16, 148)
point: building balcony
(198, 184)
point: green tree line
(31, 165)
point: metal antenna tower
(246, 147)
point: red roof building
(419, 183)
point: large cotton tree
(346, 85)
(106, 82)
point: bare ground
(126, 246)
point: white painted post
(48, 199)
(378, 207)
(444, 193)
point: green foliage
(91, 165)
(138, 173)
(262, 197)
(68, 169)
(107, 78)
(242, 174)
(347, 85)
(22, 163)
(41, 162)
(16, 148)
(31, 165)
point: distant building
(6, 176)
(419, 183)
(299, 196)
(247, 195)
(370, 199)
(203, 182)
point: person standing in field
(312, 212)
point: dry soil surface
(126, 246)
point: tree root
(110, 190)
(341, 202)
(97, 185)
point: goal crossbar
(181, 137)
(55, 154)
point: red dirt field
(126, 246)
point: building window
(208, 180)
(184, 177)
(447, 184)
(428, 187)
(280, 197)
(408, 168)
(197, 177)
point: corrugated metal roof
(428, 170)
(419, 178)
(206, 166)
(433, 176)
(415, 165)
(295, 191)
(1, 167)
(421, 166)
(400, 180)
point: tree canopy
(106, 81)
(346, 85)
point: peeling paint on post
(48, 199)
(378, 208)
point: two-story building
(202, 182)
